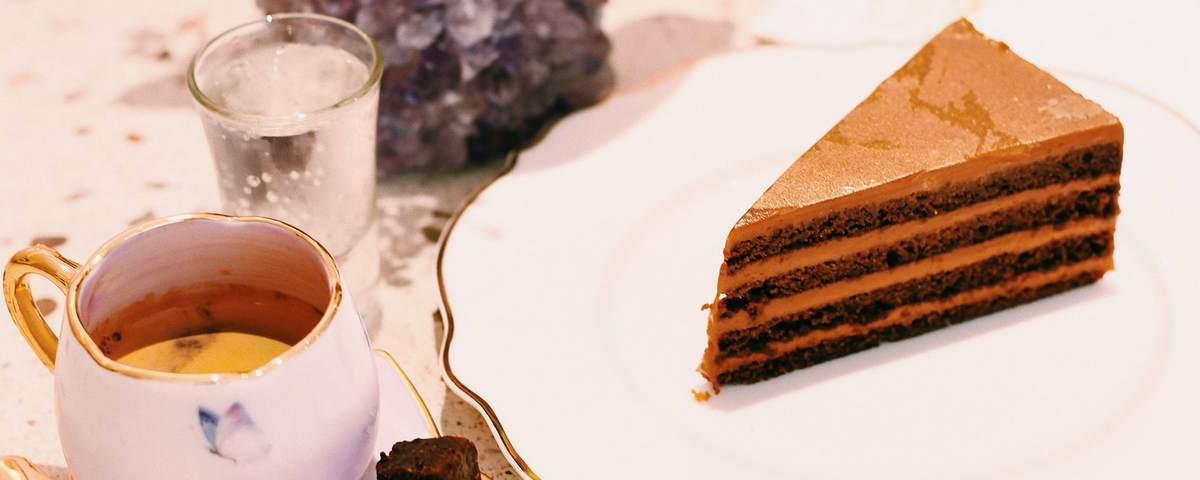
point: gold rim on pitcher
(82, 272)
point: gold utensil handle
(18, 468)
(47, 262)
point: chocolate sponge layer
(1097, 203)
(752, 372)
(1086, 163)
(868, 307)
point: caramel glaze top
(960, 106)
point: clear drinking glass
(289, 105)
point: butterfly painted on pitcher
(233, 435)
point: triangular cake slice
(968, 182)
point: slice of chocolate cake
(440, 458)
(968, 182)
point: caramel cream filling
(832, 250)
(1013, 242)
(906, 314)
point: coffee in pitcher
(206, 329)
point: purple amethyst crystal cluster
(473, 79)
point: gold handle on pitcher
(47, 262)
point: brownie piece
(441, 458)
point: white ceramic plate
(572, 289)
(402, 413)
